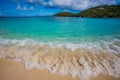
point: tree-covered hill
(112, 11)
(64, 14)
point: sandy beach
(12, 70)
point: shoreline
(83, 63)
(13, 70)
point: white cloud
(36, 1)
(24, 8)
(61, 2)
(73, 4)
(31, 1)
(31, 8)
(81, 4)
(18, 7)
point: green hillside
(106, 11)
(64, 14)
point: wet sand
(12, 70)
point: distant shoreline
(23, 16)
(52, 17)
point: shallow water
(58, 29)
(81, 47)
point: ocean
(80, 47)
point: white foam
(27, 52)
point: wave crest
(83, 60)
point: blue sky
(48, 7)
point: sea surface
(80, 47)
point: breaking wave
(84, 60)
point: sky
(48, 7)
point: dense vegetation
(112, 11)
(64, 14)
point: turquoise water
(59, 28)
